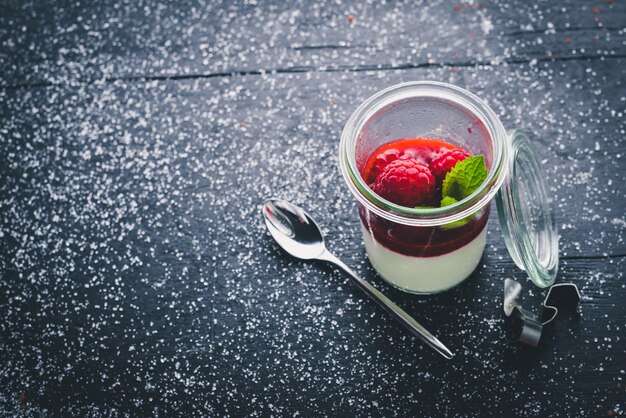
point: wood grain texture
(136, 277)
(61, 42)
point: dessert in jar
(424, 160)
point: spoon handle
(394, 310)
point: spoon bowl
(294, 230)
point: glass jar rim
(424, 216)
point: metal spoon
(298, 234)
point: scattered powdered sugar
(137, 275)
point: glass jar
(428, 250)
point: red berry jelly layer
(412, 240)
(417, 241)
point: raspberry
(381, 162)
(443, 164)
(406, 182)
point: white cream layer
(425, 274)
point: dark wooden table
(138, 140)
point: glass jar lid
(525, 215)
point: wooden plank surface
(137, 277)
(62, 42)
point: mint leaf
(457, 224)
(464, 178)
(447, 201)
